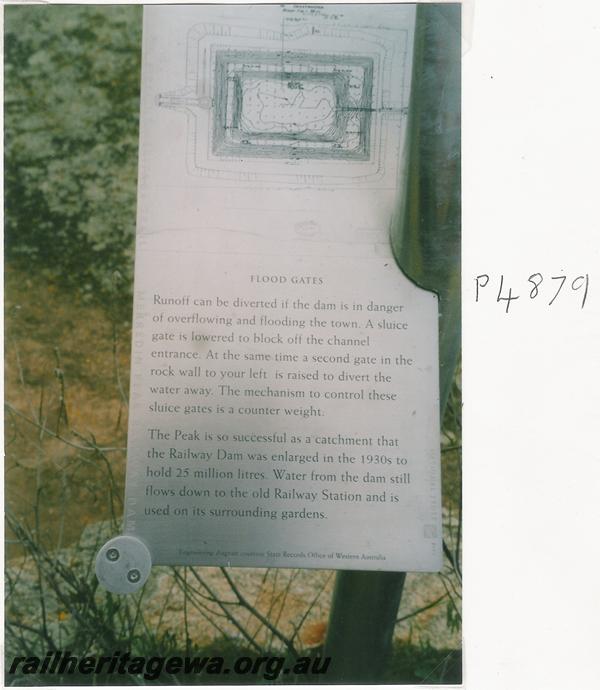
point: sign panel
(284, 401)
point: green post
(426, 242)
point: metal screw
(112, 555)
(134, 575)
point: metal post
(426, 243)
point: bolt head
(112, 554)
(134, 575)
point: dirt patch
(66, 382)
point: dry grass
(66, 372)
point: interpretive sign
(284, 395)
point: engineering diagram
(319, 106)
